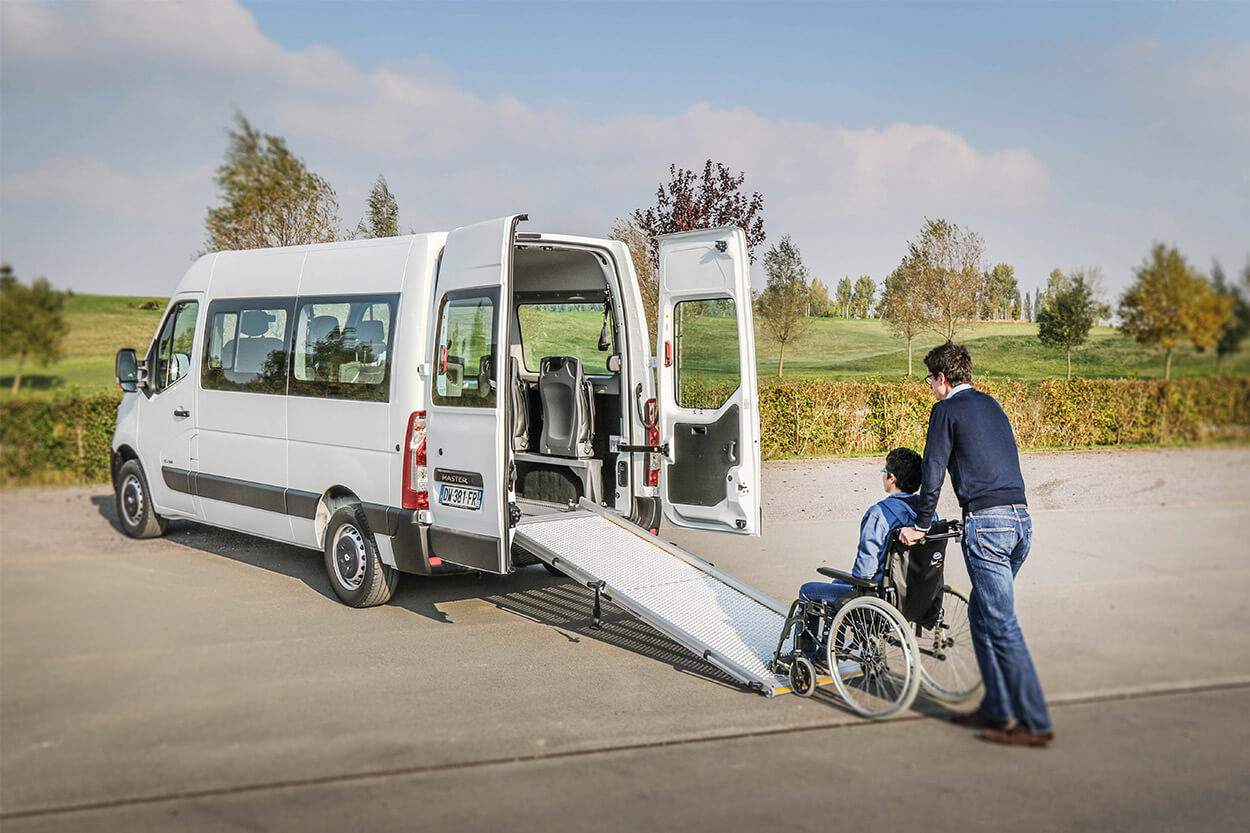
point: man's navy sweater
(970, 434)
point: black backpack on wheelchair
(916, 576)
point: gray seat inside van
(568, 408)
(252, 347)
(519, 389)
(321, 329)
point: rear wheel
(872, 657)
(135, 512)
(357, 574)
(948, 664)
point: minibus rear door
(464, 401)
(706, 385)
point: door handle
(181, 412)
(732, 451)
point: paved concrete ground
(208, 681)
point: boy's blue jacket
(898, 509)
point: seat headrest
(370, 331)
(255, 322)
(321, 328)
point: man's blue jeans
(996, 542)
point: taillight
(653, 440)
(415, 493)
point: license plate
(461, 497)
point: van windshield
(564, 330)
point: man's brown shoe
(980, 720)
(1018, 737)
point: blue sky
(1068, 135)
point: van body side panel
(340, 443)
(243, 435)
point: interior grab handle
(732, 451)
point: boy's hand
(909, 535)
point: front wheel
(948, 665)
(357, 574)
(135, 512)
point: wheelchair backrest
(917, 574)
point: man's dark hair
(952, 361)
(904, 464)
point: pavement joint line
(345, 778)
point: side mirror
(127, 370)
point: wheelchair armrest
(854, 581)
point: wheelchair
(885, 639)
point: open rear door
(466, 448)
(705, 374)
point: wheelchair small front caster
(803, 677)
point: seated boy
(901, 479)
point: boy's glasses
(883, 471)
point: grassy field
(832, 349)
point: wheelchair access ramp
(708, 611)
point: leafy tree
(1028, 308)
(32, 324)
(846, 293)
(268, 196)
(782, 306)
(1170, 303)
(861, 300)
(1067, 316)
(382, 217)
(947, 264)
(691, 202)
(1239, 325)
(998, 291)
(636, 240)
(819, 303)
(902, 306)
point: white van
(402, 403)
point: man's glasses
(928, 380)
(883, 471)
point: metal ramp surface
(729, 624)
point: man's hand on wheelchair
(909, 535)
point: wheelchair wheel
(802, 677)
(948, 664)
(872, 656)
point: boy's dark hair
(952, 361)
(904, 464)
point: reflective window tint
(342, 348)
(173, 350)
(464, 372)
(246, 346)
(706, 358)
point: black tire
(357, 575)
(803, 677)
(133, 499)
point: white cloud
(452, 157)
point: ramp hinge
(596, 615)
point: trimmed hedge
(817, 418)
(63, 439)
(66, 439)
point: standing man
(970, 436)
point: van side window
(706, 358)
(464, 355)
(343, 348)
(173, 349)
(246, 346)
